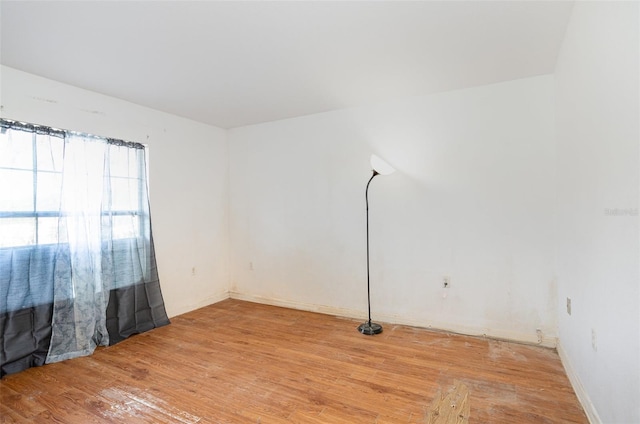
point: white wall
(474, 199)
(598, 170)
(188, 164)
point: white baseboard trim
(210, 300)
(310, 307)
(581, 393)
(505, 335)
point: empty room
(319, 212)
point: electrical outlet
(569, 305)
(446, 281)
(193, 271)
(594, 340)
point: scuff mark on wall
(42, 99)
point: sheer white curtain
(79, 321)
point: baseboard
(210, 300)
(310, 307)
(511, 336)
(496, 334)
(578, 388)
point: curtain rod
(43, 129)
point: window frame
(35, 214)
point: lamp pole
(369, 328)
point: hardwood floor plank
(241, 362)
(10, 416)
(22, 405)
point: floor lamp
(379, 167)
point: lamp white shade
(380, 166)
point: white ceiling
(236, 63)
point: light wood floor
(240, 362)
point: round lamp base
(370, 328)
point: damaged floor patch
(452, 408)
(138, 403)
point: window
(31, 181)
(31, 178)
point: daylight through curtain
(77, 264)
